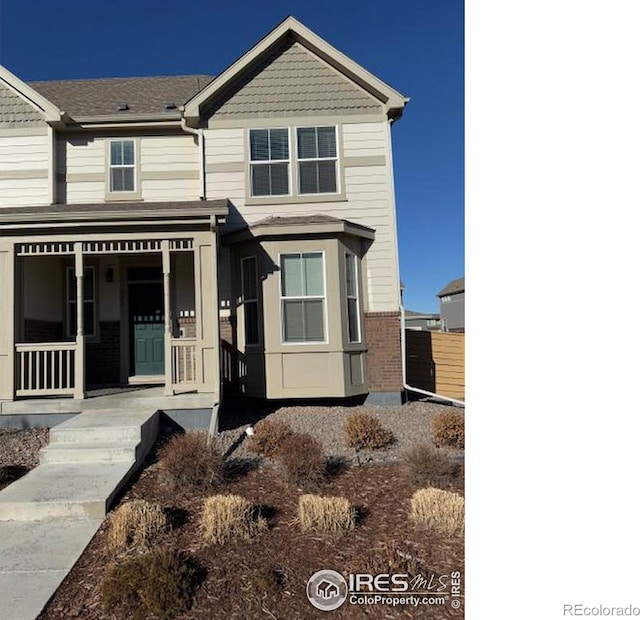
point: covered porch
(109, 295)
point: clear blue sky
(416, 47)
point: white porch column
(166, 282)
(7, 322)
(80, 374)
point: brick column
(384, 352)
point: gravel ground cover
(19, 452)
(409, 423)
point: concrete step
(58, 491)
(105, 426)
(92, 452)
(98, 435)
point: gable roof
(291, 30)
(144, 95)
(455, 286)
(50, 112)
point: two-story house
(199, 232)
(451, 299)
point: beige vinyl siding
(365, 139)
(24, 162)
(24, 192)
(368, 200)
(224, 145)
(82, 161)
(170, 161)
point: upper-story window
(122, 166)
(445, 298)
(307, 166)
(317, 159)
(269, 162)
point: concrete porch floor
(189, 410)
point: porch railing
(45, 368)
(183, 362)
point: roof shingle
(455, 286)
(100, 97)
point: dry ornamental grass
(364, 432)
(135, 525)
(327, 515)
(302, 460)
(193, 459)
(227, 517)
(269, 436)
(441, 510)
(447, 429)
(159, 584)
(427, 466)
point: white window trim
(335, 159)
(245, 301)
(270, 161)
(70, 304)
(325, 327)
(357, 296)
(133, 166)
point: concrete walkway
(49, 516)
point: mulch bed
(19, 452)
(266, 577)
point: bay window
(302, 297)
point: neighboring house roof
(455, 286)
(420, 315)
(101, 97)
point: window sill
(303, 199)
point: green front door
(147, 328)
(148, 334)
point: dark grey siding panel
(295, 83)
(15, 112)
(453, 312)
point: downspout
(405, 385)
(199, 133)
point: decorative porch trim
(64, 248)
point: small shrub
(227, 517)
(363, 431)
(427, 466)
(327, 515)
(269, 435)
(447, 429)
(302, 460)
(441, 510)
(135, 525)
(193, 459)
(158, 584)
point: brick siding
(36, 330)
(384, 356)
(103, 358)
